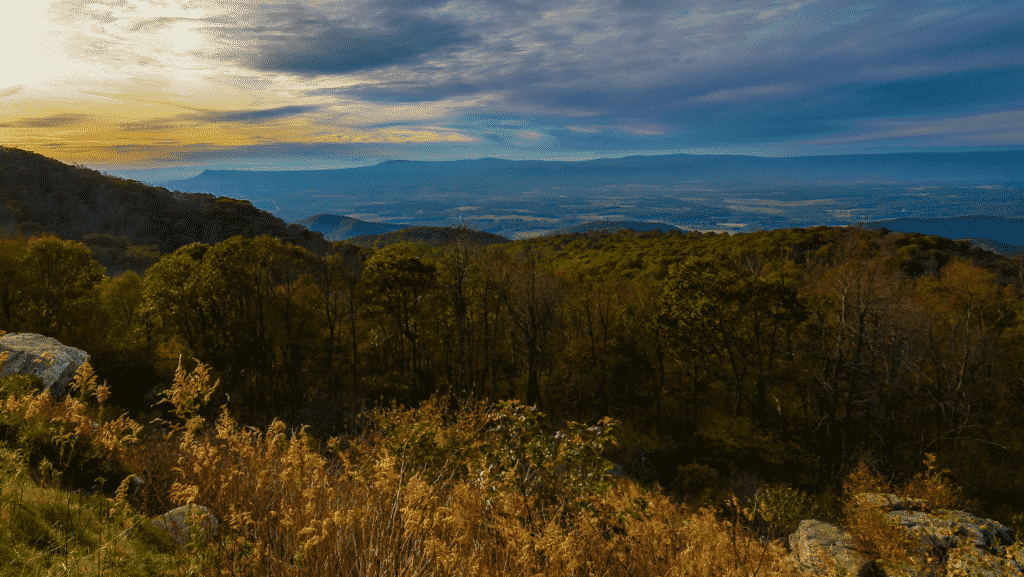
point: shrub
(782, 508)
(563, 471)
(871, 529)
(18, 385)
(936, 488)
(58, 438)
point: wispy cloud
(11, 90)
(54, 121)
(996, 128)
(747, 92)
(256, 115)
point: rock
(175, 522)
(42, 357)
(962, 543)
(982, 542)
(891, 502)
(135, 484)
(812, 539)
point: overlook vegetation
(440, 382)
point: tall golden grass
(425, 493)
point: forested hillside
(432, 235)
(128, 225)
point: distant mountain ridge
(335, 227)
(521, 199)
(485, 175)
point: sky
(166, 88)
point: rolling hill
(335, 227)
(127, 224)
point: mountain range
(690, 192)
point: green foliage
(782, 508)
(61, 452)
(567, 471)
(59, 280)
(18, 385)
(732, 317)
(398, 279)
(237, 305)
(399, 282)
(12, 255)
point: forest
(791, 353)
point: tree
(12, 255)
(458, 278)
(732, 317)
(967, 313)
(121, 299)
(532, 300)
(854, 349)
(296, 318)
(399, 282)
(237, 305)
(595, 309)
(172, 292)
(59, 288)
(338, 275)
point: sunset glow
(137, 84)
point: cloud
(256, 115)
(991, 129)
(153, 24)
(340, 47)
(750, 92)
(11, 90)
(54, 121)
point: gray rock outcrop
(35, 355)
(959, 542)
(176, 523)
(812, 539)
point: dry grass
(426, 493)
(293, 511)
(418, 497)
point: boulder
(814, 539)
(176, 523)
(959, 542)
(42, 357)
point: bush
(873, 532)
(18, 385)
(507, 445)
(782, 508)
(54, 437)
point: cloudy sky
(125, 85)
